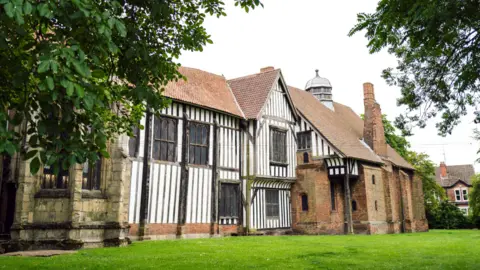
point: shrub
(448, 216)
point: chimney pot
(267, 69)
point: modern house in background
(249, 155)
(456, 180)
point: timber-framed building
(249, 155)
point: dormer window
(304, 140)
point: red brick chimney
(267, 69)
(373, 132)
(443, 169)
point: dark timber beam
(182, 209)
(214, 202)
(348, 201)
(145, 177)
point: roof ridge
(252, 75)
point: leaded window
(278, 145)
(198, 145)
(52, 180)
(165, 139)
(229, 200)
(304, 140)
(92, 174)
(272, 203)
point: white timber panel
(228, 142)
(164, 193)
(259, 218)
(135, 192)
(278, 105)
(199, 195)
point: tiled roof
(454, 174)
(356, 124)
(334, 126)
(204, 89)
(252, 91)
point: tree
(76, 73)
(474, 196)
(424, 167)
(437, 46)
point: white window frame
(464, 192)
(464, 210)
(458, 195)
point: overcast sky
(301, 36)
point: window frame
(198, 145)
(158, 140)
(308, 143)
(92, 178)
(51, 172)
(373, 179)
(464, 193)
(274, 152)
(304, 201)
(222, 210)
(458, 195)
(274, 206)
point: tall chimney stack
(373, 131)
(443, 169)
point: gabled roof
(333, 126)
(252, 91)
(455, 173)
(204, 89)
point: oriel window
(165, 139)
(278, 145)
(199, 142)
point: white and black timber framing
(184, 193)
(265, 174)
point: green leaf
(69, 88)
(33, 140)
(27, 8)
(43, 67)
(88, 101)
(98, 73)
(50, 83)
(80, 68)
(30, 154)
(80, 90)
(43, 9)
(105, 153)
(34, 165)
(121, 28)
(10, 148)
(9, 9)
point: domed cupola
(321, 89)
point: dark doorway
(8, 191)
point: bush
(448, 216)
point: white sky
(301, 36)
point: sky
(301, 36)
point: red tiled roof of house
(204, 89)
(252, 91)
(455, 173)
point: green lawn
(432, 250)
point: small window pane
(199, 144)
(164, 145)
(272, 200)
(304, 202)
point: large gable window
(165, 139)
(272, 203)
(278, 145)
(229, 199)
(198, 145)
(304, 140)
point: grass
(433, 250)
